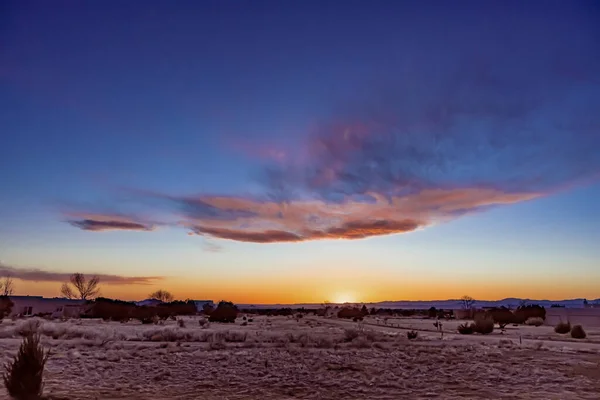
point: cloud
(38, 275)
(448, 136)
(98, 223)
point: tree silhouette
(80, 288)
(7, 286)
(467, 302)
(162, 295)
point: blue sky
(298, 151)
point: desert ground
(307, 358)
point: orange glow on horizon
(292, 291)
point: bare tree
(162, 295)
(80, 287)
(467, 302)
(7, 287)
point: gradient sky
(301, 151)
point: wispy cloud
(39, 275)
(99, 222)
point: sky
(289, 152)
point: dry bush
(202, 322)
(24, 376)
(323, 342)
(350, 334)
(412, 335)
(361, 342)
(563, 327)
(577, 332)
(181, 323)
(483, 326)
(535, 321)
(465, 329)
(24, 328)
(235, 337)
(217, 342)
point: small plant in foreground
(577, 332)
(24, 376)
(563, 327)
(412, 335)
(535, 321)
(465, 329)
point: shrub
(181, 323)
(350, 334)
(350, 313)
(502, 316)
(563, 327)
(535, 321)
(523, 313)
(361, 343)
(412, 335)
(24, 376)
(202, 322)
(577, 332)
(483, 326)
(465, 329)
(6, 306)
(432, 312)
(225, 312)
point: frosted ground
(310, 357)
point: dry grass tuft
(535, 321)
(577, 332)
(24, 376)
(563, 327)
(412, 335)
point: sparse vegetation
(577, 332)
(412, 335)
(23, 377)
(181, 323)
(563, 328)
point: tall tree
(467, 302)
(7, 286)
(162, 295)
(80, 288)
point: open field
(312, 357)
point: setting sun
(342, 298)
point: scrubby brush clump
(23, 377)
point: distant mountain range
(443, 304)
